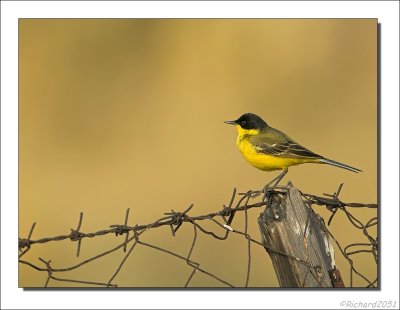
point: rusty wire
(175, 220)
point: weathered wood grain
(289, 226)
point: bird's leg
(276, 181)
(279, 177)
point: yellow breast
(262, 161)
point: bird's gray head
(249, 121)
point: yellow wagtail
(268, 149)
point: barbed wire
(222, 219)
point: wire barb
(76, 235)
(25, 243)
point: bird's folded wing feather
(275, 143)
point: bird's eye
(243, 123)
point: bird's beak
(230, 122)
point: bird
(270, 149)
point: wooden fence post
(297, 243)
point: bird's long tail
(340, 165)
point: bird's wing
(275, 143)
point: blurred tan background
(129, 113)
